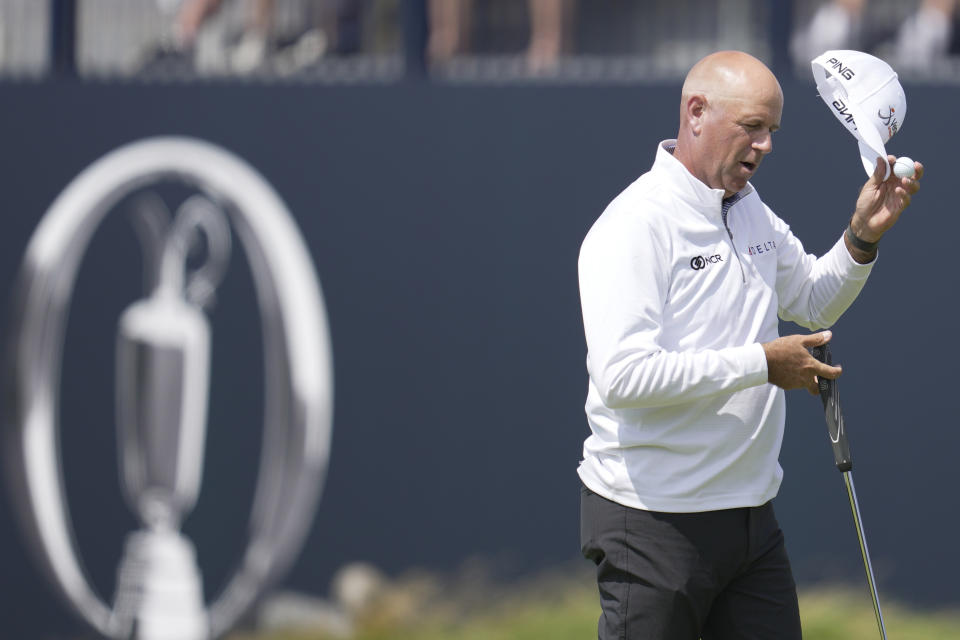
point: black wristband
(860, 243)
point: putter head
(830, 395)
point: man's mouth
(749, 166)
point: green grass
(848, 615)
(565, 607)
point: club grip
(824, 355)
(830, 395)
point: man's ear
(694, 111)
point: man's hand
(882, 201)
(791, 366)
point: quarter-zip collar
(688, 187)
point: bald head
(731, 105)
(730, 76)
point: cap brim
(869, 158)
(869, 141)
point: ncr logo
(702, 262)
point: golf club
(830, 394)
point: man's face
(736, 134)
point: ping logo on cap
(842, 111)
(846, 72)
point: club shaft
(855, 507)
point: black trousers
(715, 575)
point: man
(682, 279)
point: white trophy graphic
(163, 371)
(163, 353)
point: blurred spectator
(252, 48)
(551, 32)
(550, 29)
(925, 36)
(309, 30)
(837, 24)
(450, 26)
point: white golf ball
(903, 168)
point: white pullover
(676, 303)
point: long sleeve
(624, 285)
(814, 292)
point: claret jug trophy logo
(163, 370)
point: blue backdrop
(445, 223)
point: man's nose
(764, 143)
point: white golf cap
(864, 94)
